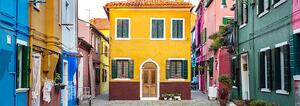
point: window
(157, 29)
(123, 28)
(262, 7)
(203, 35)
(105, 50)
(242, 13)
(282, 69)
(176, 69)
(22, 69)
(104, 75)
(97, 74)
(277, 3)
(36, 4)
(122, 68)
(67, 14)
(265, 71)
(97, 44)
(177, 29)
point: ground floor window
(104, 75)
(97, 73)
(265, 70)
(122, 68)
(282, 68)
(22, 69)
(176, 69)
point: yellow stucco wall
(104, 60)
(105, 32)
(45, 32)
(140, 47)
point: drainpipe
(253, 48)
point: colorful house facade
(103, 25)
(295, 40)
(45, 41)
(150, 49)
(69, 52)
(14, 46)
(265, 51)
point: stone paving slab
(198, 99)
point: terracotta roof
(148, 4)
(101, 23)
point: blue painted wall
(13, 24)
(72, 66)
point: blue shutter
(180, 28)
(160, 29)
(125, 27)
(154, 29)
(119, 29)
(174, 29)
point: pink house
(215, 13)
(296, 16)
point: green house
(262, 66)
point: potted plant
(177, 96)
(224, 89)
(58, 85)
(239, 102)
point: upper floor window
(157, 28)
(177, 29)
(105, 50)
(242, 13)
(262, 7)
(276, 3)
(122, 69)
(123, 28)
(36, 4)
(203, 36)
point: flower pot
(239, 102)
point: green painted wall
(266, 31)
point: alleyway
(198, 99)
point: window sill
(121, 79)
(19, 90)
(122, 38)
(234, 87)
(243, 25)
(177, 39)
(265, 90)
(157, 39)
(263, 14)
(36, 8)
(282, 92)
(279, 3)
(173, 79)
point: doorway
(245, 76)
(65, 82)
(149, 80)
(36, 79)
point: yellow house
(102, 24)
(149, 49)
(45, 42)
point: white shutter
(266, 4)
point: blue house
(14, 51)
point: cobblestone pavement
(198, 99)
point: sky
(89, 9)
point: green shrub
(261, 103)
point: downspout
(253, 51)
(76, 45)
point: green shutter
(204, 36)
(131, 69)
(233, 72)
(18, 63)
(184, 69)
(119, 28)
(154, 29)
(25, 66)
(246, 14)
(114, 69)
(225, 21)
(269, 71)
(211, 67)
(168, 69)
(287, 72)
(174, 29)
(262, 70)
(277, 68)
(125, 27)
(160, 29)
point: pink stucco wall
(84, 31)
(296, 15)
(223, 61)
(85, 57)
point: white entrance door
(36, 79)
(65, 82)
(245, 76)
